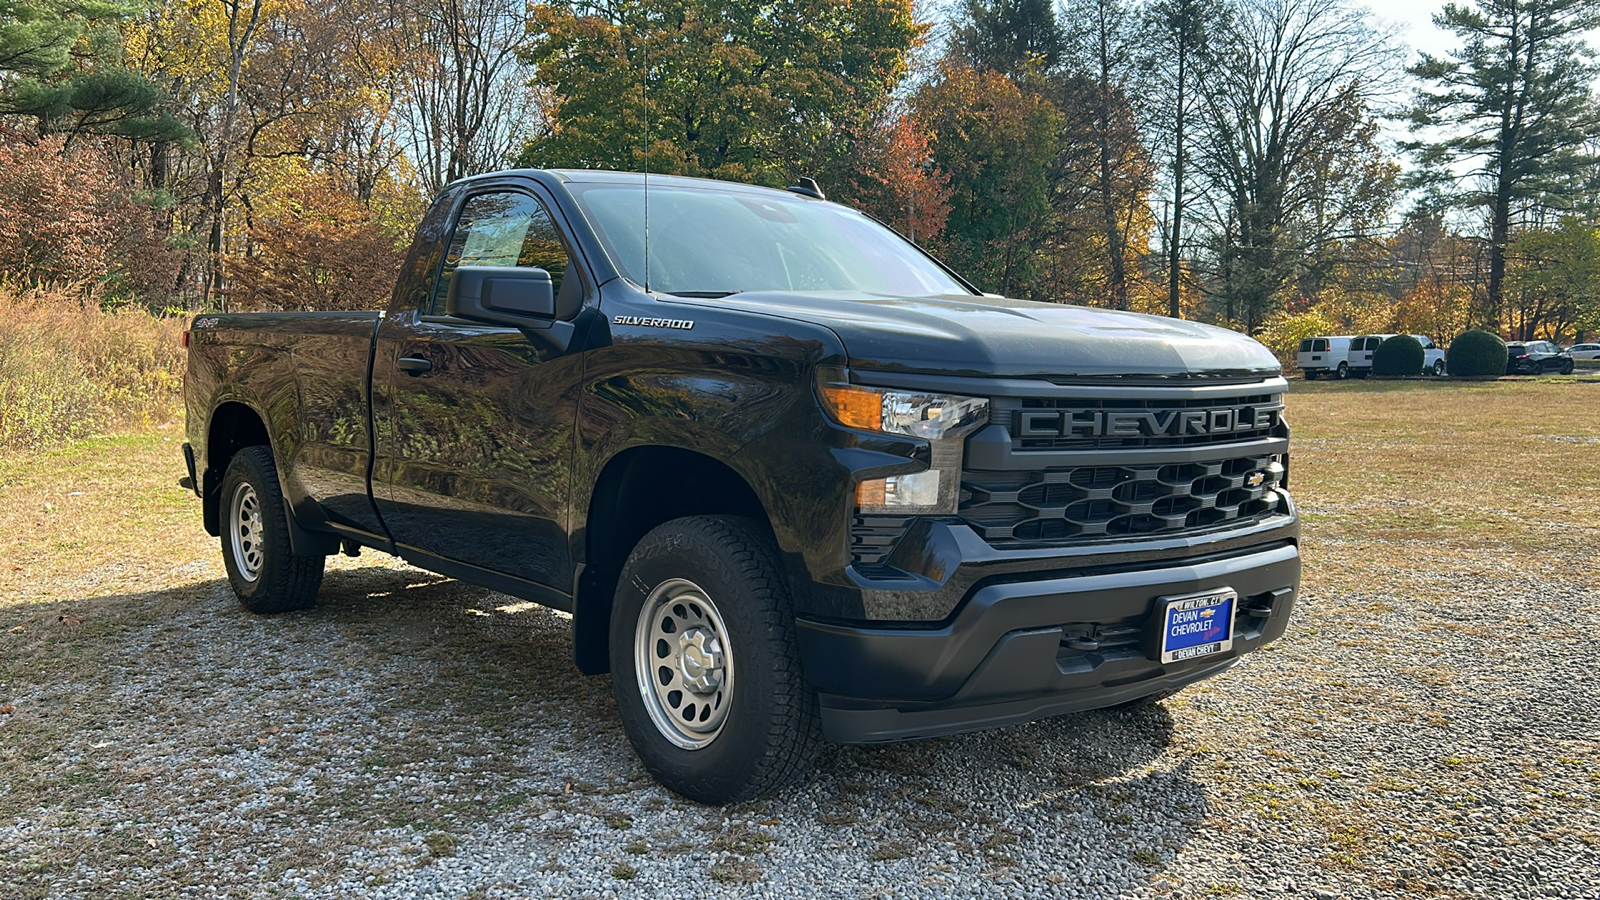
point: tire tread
(287, 582)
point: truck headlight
(942, 420)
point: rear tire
(1310, 375)
(705, 663)
(1343, 372)
(265, 575)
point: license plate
(1197, 625)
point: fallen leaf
(7, 710)
(272, 729)
(17, 629)
(70, 620)
(150, 841)
(569, 787)
(769, 821)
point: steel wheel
(683, 664)
(245, 532)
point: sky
(1412, 21)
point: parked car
(1584, 351)
(795, 481)
(1537, 358)
(1361, 350)
(1328, 355)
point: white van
(1361, 354)
(1328, 355)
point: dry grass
(99, 515)
(69, 370)
(1411, 472)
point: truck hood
(996, 337)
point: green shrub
(1399, 355)
(1476, 353)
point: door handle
(412, 365)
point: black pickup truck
(794, 479)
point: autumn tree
(273, 91)
(892, 175)
(1287, 92)
(316, 247)
(1553, 280)
(995, 142)
(1105, 40)
(746, 90)
(1173, 38)
(465, 104)
(1508, 117)
(68, 216)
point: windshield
(709, 242)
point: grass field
(1429, 508)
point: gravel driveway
(1427, 727)
(415, 737)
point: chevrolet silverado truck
(793, 479)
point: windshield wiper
(712, 295)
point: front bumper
(1017, 651)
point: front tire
(265, 575)
(1438, 368)
(705, 663)
(1344, 371)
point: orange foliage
(320, 248)
(69, 216)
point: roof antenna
(807, 187)
(644, 93)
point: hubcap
(683, 664)
(244, 532)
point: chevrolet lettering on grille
(1091, 423)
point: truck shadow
(406, 704)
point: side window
(502, 229)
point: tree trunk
(1113, 230)
(1174, 307)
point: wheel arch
(638, 489)
(234, 426)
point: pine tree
(1009, 36)
(60, 63)
(1513, 101)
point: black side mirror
(518, 297)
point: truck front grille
(1084, 502)
(1073, 423)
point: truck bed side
(302, 378)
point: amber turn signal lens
(855, 407)
(870, 494)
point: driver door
(474, 422)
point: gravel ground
(1426, 728)
(416, 737)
